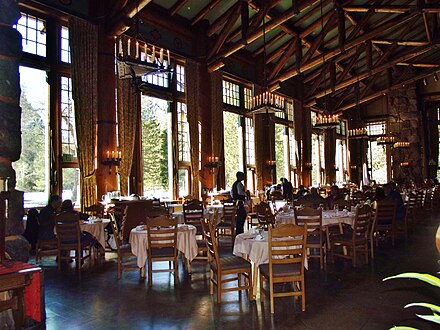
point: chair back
(287, 245)
(362, 222)
(95, 209)
(229, 213)
(116, 235)
(67, 228)
(310, 217)
(209, 235)
(193, 213)
(264, 214)
(342, 204)
(162, 234)
(385, 213)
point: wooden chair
(264, 215)
(357, 239)
(221, 268)
(70, 239)
(226, 226)
(342, 204)
(123, 250)
(46, 247)
(315, 235)
(411, 208)
(162, 246)
(193, 214)
(384, 222)
(287, 251)
(95, 209)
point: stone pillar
(10, 127)
(404, 103)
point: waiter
(238, 194)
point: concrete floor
(340, 297)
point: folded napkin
(140, 227)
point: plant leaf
(402, 327)
(431, 318)
(422, 277)
(432, 307)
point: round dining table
(329, 217)
(96, 228)
(186, 243)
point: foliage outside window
(250, 141)
(155, 125)
(313, 116)
(341, 161)
(231, 93)
(32, 169)
(183, 132)
(68, 131)
(318, 161)
(377, 159)
(180, 78)
(65, 47)
(280, 150)
(232, 145)
(33, 31)
(290, 110)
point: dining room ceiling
(344, 52)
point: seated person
(67, 206)
(276, 192)
(314, 197)
(69, 214)
(394, 195)
(334, 195)
(302, 191)
(379, 194)
(46, 219)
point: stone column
(10, 126)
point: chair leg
(150, 274)
(211, 282)
(176, 271)
(59, 259)
(321, 257)
(333, 252)
(251, 285)
(272, 307)
(303, 295)
(354, 256)
(219, 288)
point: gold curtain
(217, 123)
(83, 46)
(192, 74)
(127, 123)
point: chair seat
(281, 270)
(347, 238)
(162, 252)
(233, 262)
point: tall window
(438, 161)
(156, 147)
(32, 169)
(65, 47)
(318, 161)
(68, 131)
(250, 141)
(293, 154)
(377, 154)
(33, 31)
(281, 151)
(232, 146)
(341, 161)
(180, 77)
(231, 93)
(247, 97)
(183, 132)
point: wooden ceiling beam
(387, 89)
(269, 26)
(291, 72)
(350, 65)
(244, 18)
(219, 22)
(269, 43)
(255, 22)
(418, 65)
(176, 7)
(318, 80)
(400, 42)
(117, 24)
(284, 58)
(428, 31)
(205, 11)
(398, 9)
(234, 14)
(276, 53)
(361, 76)
(319, 40)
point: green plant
(435, 281)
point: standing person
(287, 189)
(238, 194)
(46, 220)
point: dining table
(329, 217)
(96, 228)
(186, 244)
(255, 248)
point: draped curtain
(217, 123)
(192, 74)
(127, 123)
(83, 46)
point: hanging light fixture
(359, 131)
(386, 140)
(325, 120)
(401, 145)
(136, 58)
(267, 102)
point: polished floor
(340, 297)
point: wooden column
(305, 135)
(106, 180)
(330, 155)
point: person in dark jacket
(287, 189)
(238, 194)
(46, 219)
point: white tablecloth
(328, 217)
(96, 228)
(257, 251)
(186, 243)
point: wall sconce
(112, 158)
(404, 164)
(213, 162)
(271, 164)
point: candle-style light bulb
(153, 56)
(128, 47)
(137, 49)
